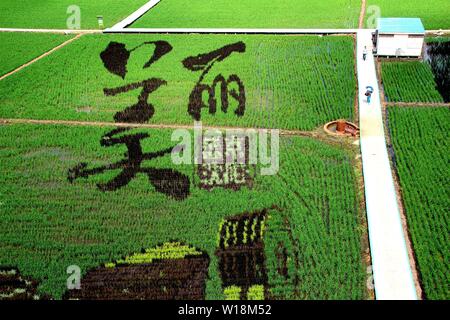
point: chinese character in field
(167, 181)
(204, 62)
(115, 59)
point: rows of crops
(252, 14)
(55, 14)
(306, 218)
(20, 48)
(411, 81)
(434, 13)
(438, 56)
(420, 138)
(295, 82)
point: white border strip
(134, 16)
(231, 31)
(392, 272)
(64, 31)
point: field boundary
(285, 132)
(362, 14)
(63, 31)
(45, 54)
(230, 31)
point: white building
(399, 37)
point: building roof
(400, 25)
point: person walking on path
(368, 94)
(365, 53)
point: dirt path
(148, 125)
(41, 56)
(362, 14)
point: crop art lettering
(204, 62)
(167, 181)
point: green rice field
(20, 48)
(252, 14)
(53, 14)
(420, 137)
(49, 223)
(409, 82)
(290, 82)
(434, 13)
(220, 164)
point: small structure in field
(399, 37)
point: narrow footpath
(392, 273)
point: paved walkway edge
(231, 30)
(135, 15)
(64, 31)
(392, 273)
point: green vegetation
(421, 142)
(434, 13)
(409, 82)
(437, 39)
(48, 223)
(52, 14)
(168, 250)
(252, 14)
(20, 48)
(295, 82)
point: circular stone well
(341, 128)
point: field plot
(252, 14)
(297, 234)
(420, 138)
(250, 81)
(409, 82)
(438, 56)
(434, 13)
(53, 14)
(20, 48)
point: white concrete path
(231, 30)
(391, 267)
(135, 15)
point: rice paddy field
(164, 166)
(409, 82)
(434, 13)
(252, 14)
(420, 140)
(53, 14)
(49, 222)
(290, 82)
(20, 48)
